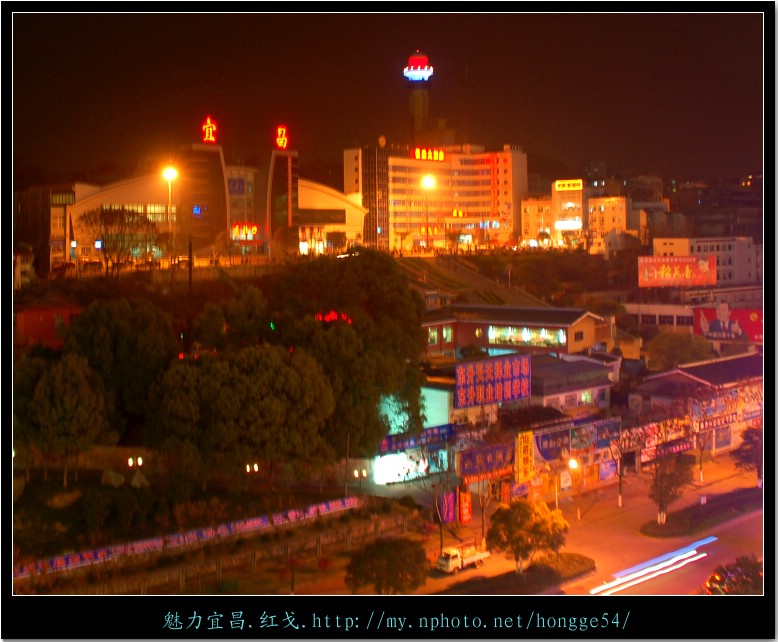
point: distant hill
(459, 278)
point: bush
(96, 509)
(408, 502)
(126, 510)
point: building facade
(444, 199)
(500, 330)
(736, 257)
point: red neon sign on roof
(209, 127)
(282, 140)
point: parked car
(745, 576)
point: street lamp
(360, 475)
(573, 465)
(427, 183)
(170, 173)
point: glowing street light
(170, 174)
(360, 477)
(573, 465)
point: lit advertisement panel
(486, 462)
(550, 446)
(492, 381)
(572, 185)
(675, 271)
(723, 323)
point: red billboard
(723, 323)
(465, 508)
(676, 271)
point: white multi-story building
(607, 221)
(736, 257)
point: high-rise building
(453, 198)
(204, 211)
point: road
(740, 536)
(611, 535)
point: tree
(27, 372)
(130, 344)
(669, 349)
(285, 398)
(745, 576)
(199, 407)
(441, 485)
(629, 440)
(123, 233)
(671, 474)
(523, 528)
(749, 454)
(377, 331)
(393, 566)
(246, 318)
(68, 410)
(210, 327)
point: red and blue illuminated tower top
(418, 68)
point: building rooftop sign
(418, 68)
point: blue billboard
(504, 378)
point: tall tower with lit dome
(418, 72)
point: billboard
(723, 323)
(487, 462)
(492, 381)
(676, 271)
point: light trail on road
(654, 567)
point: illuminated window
(448, 334)
(432, 336)
(586, 397)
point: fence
(123, 577)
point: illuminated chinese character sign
(492, 381)
(549, 446)
(465, 508)
(209, 129)
(433, 435)
(723, 323)
(676, 271)
(282, 138)
(244, 231)
(525, 457)
(428, 154)
(575, 185)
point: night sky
(678, 95)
